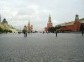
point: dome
(4, 21)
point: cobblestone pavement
(38, 47)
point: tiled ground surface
(42, 48)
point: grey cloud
(37, 11)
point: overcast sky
(19, 12)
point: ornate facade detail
(29, 27)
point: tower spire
(29, 22)
(49, 20)
(76, 17)
(49, 15)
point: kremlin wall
(75, 26)
(72, 26)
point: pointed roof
(49, 15)
(4, 21)
(76, 17)
(49, 20)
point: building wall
(74, 27)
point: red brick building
(74, 26)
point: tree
(51, 29)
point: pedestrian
(25, 31)
(82, 29)
(56, 33)
(43, 32)
(26, 34)
(82, 32)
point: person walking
(43, 32)
(56, 33)
(25, 31)
(82, 29)
(82, 32)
